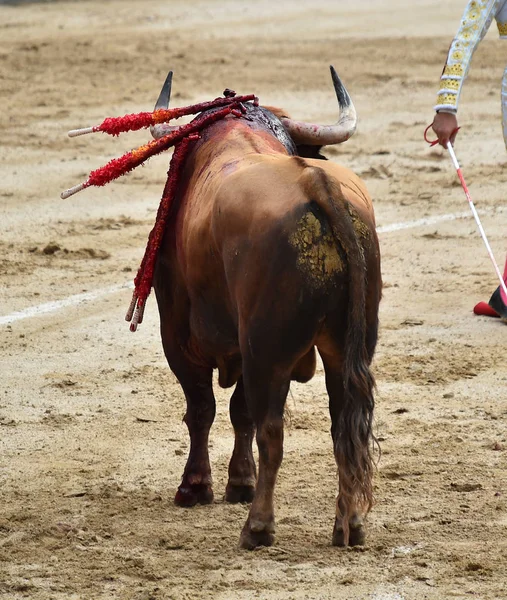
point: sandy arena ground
(92, 441)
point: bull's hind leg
(242, 472)
(266, 395)
(196, 483)
(350, 430)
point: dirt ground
(92, 441)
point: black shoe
(497, 304)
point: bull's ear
(307, 151)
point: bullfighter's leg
(353, 527)
(242, 471)
(266, 394)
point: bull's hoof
(257, 534)
(199, 493)
(236, 494)
(357, 535)
(250, 540)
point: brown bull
(269, 256)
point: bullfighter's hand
(445, 125)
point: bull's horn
(158, 131)
(326, 135)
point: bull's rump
(262, 263)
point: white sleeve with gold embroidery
(501, 19)
(473, 27)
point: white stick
(73, 190)
(84, 131)
(476, 216)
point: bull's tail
(353, 436)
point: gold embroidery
(456, 70)
(447, 99)
(450, 84)
(473, 14)
(473, 27)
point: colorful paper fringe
(129, 161)
(181, 138)
(144, 278)
(116, 125)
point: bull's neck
(238, 137)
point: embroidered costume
(474, 25)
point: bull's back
(264, 193)
(273, 235)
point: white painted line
(433, 220)
(50, 307)
(422, 222)
(387, 596)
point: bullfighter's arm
(473, 27)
